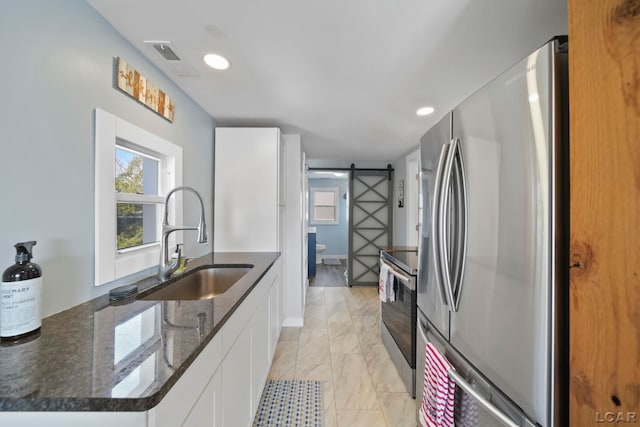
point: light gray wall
(335, 236)
(57, 67)
(399, 214)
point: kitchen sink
(205, 283)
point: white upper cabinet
(247, 189)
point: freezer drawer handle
(472, 392)
(503, 418)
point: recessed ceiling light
(216, 61)
(425, 111)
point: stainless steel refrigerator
(493, 274)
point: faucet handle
(175, 267)
(179, 252)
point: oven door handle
(401, 276)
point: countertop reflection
(102, 356)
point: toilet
(320, 247)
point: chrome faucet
(165, 269)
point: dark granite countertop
(102, 356)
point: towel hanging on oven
(386, 284)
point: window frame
(111, 131)
(336, 205)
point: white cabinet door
(293, 260)
(177, 404)
(236, 383)
(260, 352)
(282, 232)
(282, 178)
(208, 408)
(282, 288)
(274, 316)
(246, 189)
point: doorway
(350, 214)
(371, 223)
(328, 227)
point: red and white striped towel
(436, 409)
(386, 281)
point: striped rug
(291, 403)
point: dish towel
(386, 283)
(469, 413)
(436, 409)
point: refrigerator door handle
(462, 199)
(486, 404)
(443, 225)
(436, 227)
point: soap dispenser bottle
(20, 296)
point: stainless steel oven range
(398, 326)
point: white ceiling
(348, 75)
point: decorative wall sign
(131, 82)
(401, 193)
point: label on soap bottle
(20, 309)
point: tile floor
(330, 275)
(340, 345)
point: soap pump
(20, 296)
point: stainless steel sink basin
(202, 284)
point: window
(325, 207)
(134, 170)
(138, 200)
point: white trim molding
(111, 131)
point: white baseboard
(293, 322)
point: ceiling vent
(169, 54)
(166, 52)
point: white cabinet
(282, 182)
(259, 196)
(248, 189)
(208, 408)
(236, 383)
(295, 248)
(247, 363)
(260, 350)
(179, 402)
(275, 316)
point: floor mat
(331, 262)
(291, 403)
